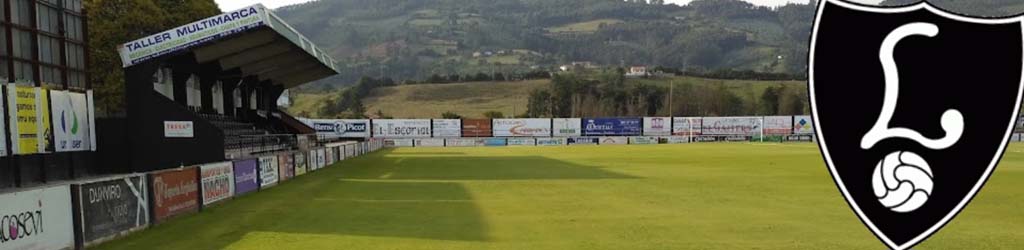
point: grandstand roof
(252, 40)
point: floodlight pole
(762, 129)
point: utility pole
(671, 94)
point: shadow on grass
(396, 167)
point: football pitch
(695, 196)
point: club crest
(913, 108)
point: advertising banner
(430, 142)
(285, 167)
(268, 171)
(686, 125)
(401, 128)
(350, 151)
(72, 125)
(533, 127)
(179, 129)
(464, 142)
(191, 34)
(612, 126)
(312, 161)
(677, 139)
(340, 128)
(657, 126)
(731, 126)
(29, 120)
(175, 192)
(246, 176)
(37, 219)
(643, 140)
(778, 125)
(582, 140)
(321, 158)
(803, 125)
(566, 127)
(111, 207)
(330, 156)
(522, 142)
(550, 141)
(218, 182)
(477, 128)
(617, 140)
(300, 163)
(392, 143)
(495, 142)
(447, 128)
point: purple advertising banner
(246, 179)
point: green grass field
(697, 196)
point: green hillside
(413, 39)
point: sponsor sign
(330, 156)
(643, 140)
(392, 143)
(705, 138)
(218, 182)
(72, 125)
(731, 126)
(311, 161)
(179, 129)
(286, 167)
(37, 219)
(175, 192)
(465, 142)
(534, 127)
(321, 158)
(495, 142)
(429, 142)
(522, 141)
(778, 125)
(111, 207)
(192, 34)
(551, 141)
(477, 128)
(804, 125)
(246, 176)
(447, 128)
(582, 140)
(803, 138)
(401, 128)
(612, 126)
(268, 171)
(29, 120)
(340, 128)
(566, 127)
(618, 140)
(300, 163)
(677, 139)
(686, 125)
(657, 126)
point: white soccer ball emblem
(902, 181)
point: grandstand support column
(207, 78)
(230, 84)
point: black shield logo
(913, 108)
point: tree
(770, 101)
(493, 115)
(450, 115)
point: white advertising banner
(37, 219)
(340, 128)
(533, 127)
(731, 126)
(550, 141)
(522, 142)
(72, 127)
(778, 125)
(566, 127)
(396, 143)
(437, 142)
(803, 125)
(268, 171)
(192, 34)
(465, 142)
(643, 140)
(218, 182)
(677, 139)
(614, 140)
(657, 126)
(321, 158)
(686, 125)
(179, 129)
(401, 128)
(444, 128)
